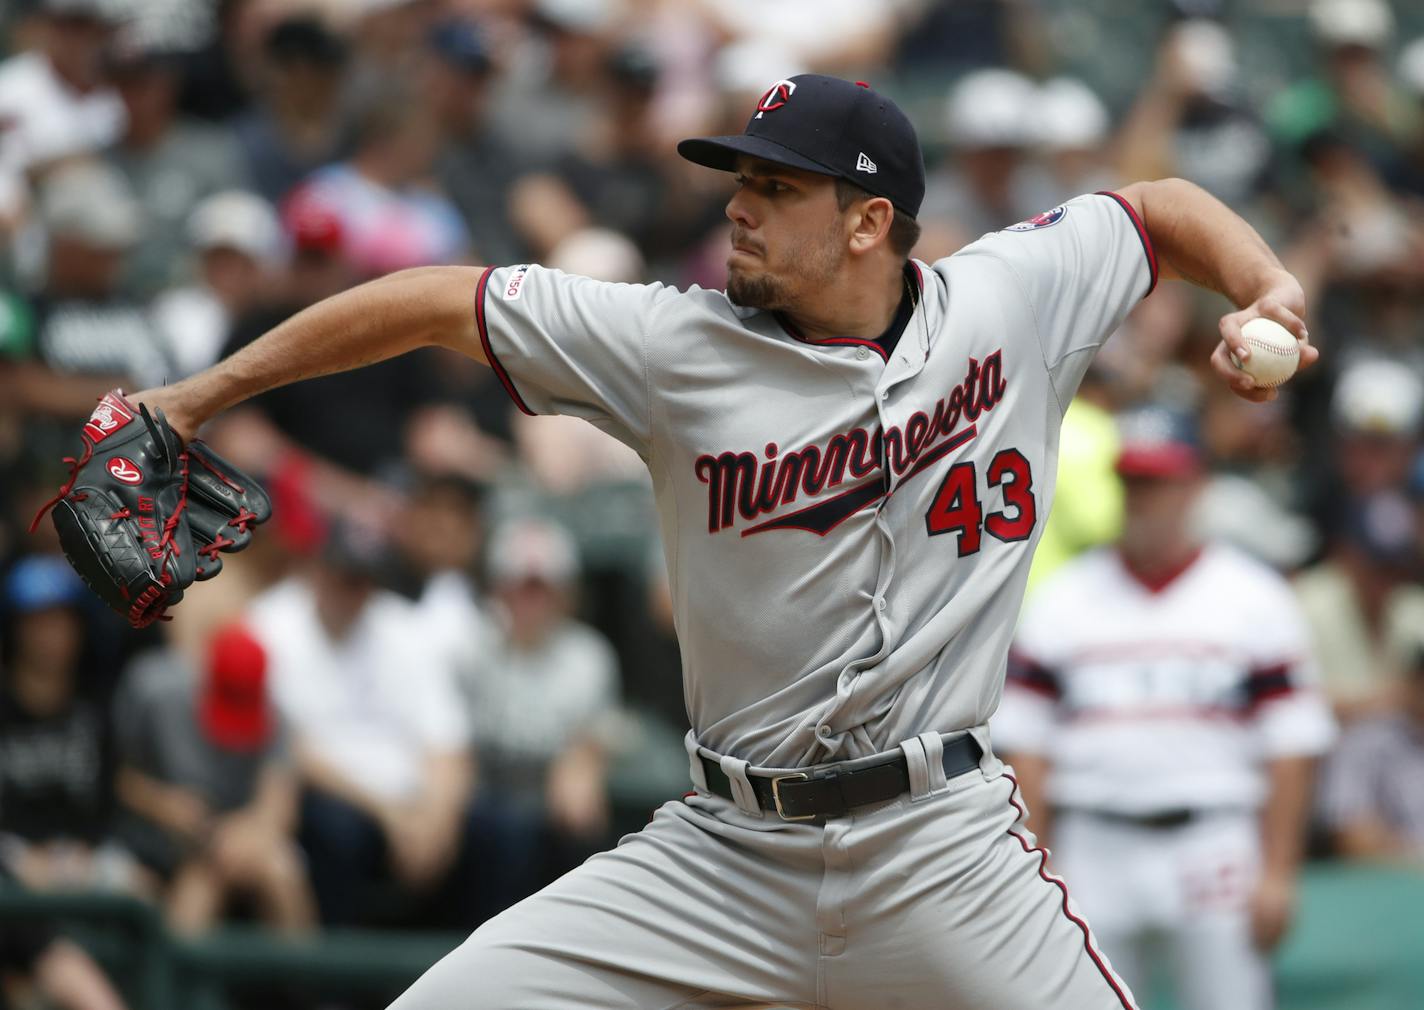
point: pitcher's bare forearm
(366, 324)
(1200, 239)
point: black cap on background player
(830, 126)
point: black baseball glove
(142, 516)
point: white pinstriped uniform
(1166, 698)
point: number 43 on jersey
(957, 508)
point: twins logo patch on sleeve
(1047, 219)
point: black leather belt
(830, 791)
(1176, 817)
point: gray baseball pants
(937, 900)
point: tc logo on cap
(776, 96)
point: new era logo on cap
(864, 164)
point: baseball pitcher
(853, 454)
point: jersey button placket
(886, 574)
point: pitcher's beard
(755, 291)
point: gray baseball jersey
(848, 533)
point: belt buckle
(776, 795)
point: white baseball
(1275, 353)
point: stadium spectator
(1189, 120)
(236, 241)
(207, 789)
(49, 967)
(1074, 134)
(987, 184)
(1372, 795)
(440, 535)
(1364, 607)
(387, 40)
(473, 168)
(850, 36)
(1087, 505)
(379, 738)
(552, 76)
(542, 694)
(220, 75)
(615, 176)
(83, 326)
(54, 100)
(1162, 720)
(295, 127)
(1352, 94)
(389, 220)
(1377, 415)
(344, 429)
(170, 163)
(1408, 175)
(1362, 600)
(56, 755)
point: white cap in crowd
(235, 219)
(751, 64)
(1208, 55)
(1411, 66)
(584, 17)
(1071, 116)
(526, 549)
(992, 108)
(600, 253)
(1379, 396)
(89, 202)
(1367, 23)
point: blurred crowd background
(445, 672)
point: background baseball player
(852, 455)
(1163, 720)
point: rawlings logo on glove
(142, 517)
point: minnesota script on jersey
(847, 536)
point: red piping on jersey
(1088, 943)
(1155, 582)
(874, 345)
(480, 322)
(1141, 234)
(790, 327)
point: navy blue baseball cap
(830, 126)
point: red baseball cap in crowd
(1157, 441)
(312, 226)
(232, 704)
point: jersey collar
(1157, 582)
(888, 342)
